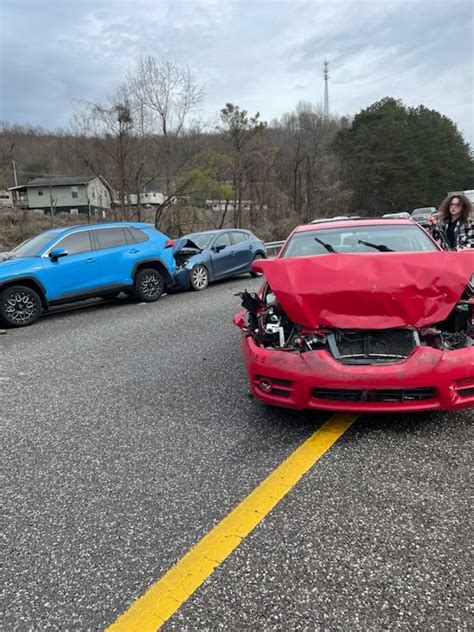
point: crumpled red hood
(369, 291)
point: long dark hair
(445, 215)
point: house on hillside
(152, 197)
(222, 205)
(91, 195)
(148, 197)
(5, 198)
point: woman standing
(455, 222)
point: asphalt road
(127, 434)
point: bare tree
(241, 132)
(109, 131)
(171, 94)
(308, 168)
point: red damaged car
(362, 315)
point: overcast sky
(263, 55)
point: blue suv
(63, 265)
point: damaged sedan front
(219, 254)
(362, 316)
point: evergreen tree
(398, 158)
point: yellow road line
(163, 598)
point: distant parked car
(399, 215)
(422, 216)
(63, 265)
(217, 254)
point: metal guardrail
(273, 247)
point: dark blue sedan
(216, 254)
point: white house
(65, 194)
(220, 205)
(148, 197)
(5, 198)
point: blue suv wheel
(149, 285)
(19, 306)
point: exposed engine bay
(270, 327)
(183, 250)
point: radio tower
(326, 97)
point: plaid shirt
(463, 234)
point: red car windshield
(358, 239)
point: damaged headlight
(267, 322)
(273, 325)
(445, 340)
(269, 325)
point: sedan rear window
(358, 240)
(238, 237)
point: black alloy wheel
(19, 306)
(149, 285)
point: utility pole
(52, 202)
(14, 173)
(326, 96)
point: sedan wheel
(257, 274)
(19, 306)
(199, 278)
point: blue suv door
(116, 256)
(75, 273)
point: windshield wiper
(440, 233)
(381, 247)
(328, 247)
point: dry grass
(17, 225)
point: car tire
(148, 286)
(253, 274)
(20, 306)
(199, 278)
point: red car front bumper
(428, 379)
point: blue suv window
(135, 236)
(76, 242)
(32, 247)
(110, 237)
